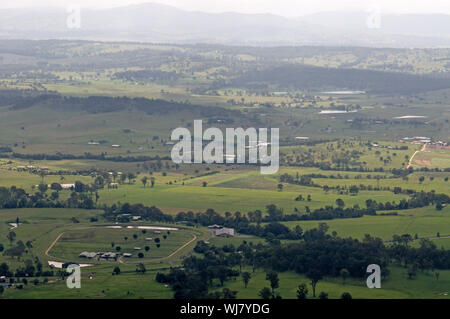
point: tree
(116, 270)
(144, 180)
(265, 293)
(204, 184)
(344, 274)
(272, 277)
(130, 177)
(140, 268)
(42, 187)
(42, 173)
(302, 291)
(56, 187)
(246, 278)
(346, 296)
(280, 187)
(152, 181)
(228, 293)
(412, 271)
(340, 203)
(11, 236)
(314, 275)
(323, 295)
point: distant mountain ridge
(153, 22)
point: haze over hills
(161, 23)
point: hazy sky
(290, 8)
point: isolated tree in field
(272, 277)
(421, 179)
(1, 248)
(323, 295)
(135, 236)
(130, 177)
(112, 244)
(346, 295)
(412, 271)
(144, 180)
(140, 268)
(246, 278)
(118, 248)
(11, 237)
(116, 270)
(302, 291)
(42, 174)
(265, 293)
(152, 181)
(314, 275)
(147, 248)
(340, 203)
(344, 274)
(126, 238)
(437, 274)
(114, 175)
(205, 184)
(353, 190)
(141, 255)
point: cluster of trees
(86, 156)
(82, 196)
(318, 255)
(312, 77)
(198, 275)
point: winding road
(415, 153)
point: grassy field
(43, 226)
(425, 222)
(396, 286)
(102, 239)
